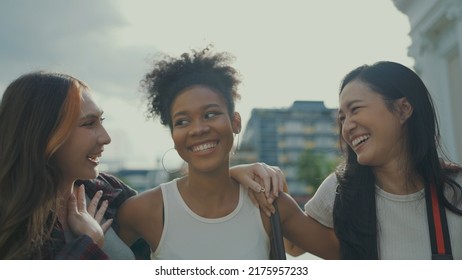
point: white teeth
(359, 140)
(203, 147)
(94, 159)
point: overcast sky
(285, 51)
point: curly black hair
(171, 75)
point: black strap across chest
(437, 225)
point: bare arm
(141, 216)
(291, 249)
(305, 232)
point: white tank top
(186, 235)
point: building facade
(436, 33)
(279, 136)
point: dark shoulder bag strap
(437, 225)
(278, 251)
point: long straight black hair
(355, 218)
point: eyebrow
(350, 103)
(205, 107)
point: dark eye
(209, 115)
(341, 119)
(354, 109)
(180, 122)
(89, 123)
(93, 121)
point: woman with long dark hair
(51, 139)
(393, 197)
(50, 136)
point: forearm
(305, 232)
(291, 249)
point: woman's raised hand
(88, 221)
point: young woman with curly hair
(206, 214)
(52, 138)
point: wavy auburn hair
(37, 114)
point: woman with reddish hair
(51, 135)
(51, 139)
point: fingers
(263, 172)
(78, 205)
(275, 181)
(259, 200)
(279, 181)
(81, 202)
(285, 187)
(252, 197)
(264, 204)
(72, 204)
(87, 221)
(106, 225)
(275, 177)
(93, 206)
(254, 186)
(100, 214)
(271, 178)
(271, 199)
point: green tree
(314, 167)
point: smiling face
(78, 157)
(202, 128)
(369, 127)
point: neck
(396, 179)
(66, 189)
(210, 195)
(210, 183)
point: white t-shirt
(237, 236)
(401, 219)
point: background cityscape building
(279, 136)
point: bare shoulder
(142, 206)
(141, 216)
(145, 202)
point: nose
(198, 128)
(347, 126)
(103, 137)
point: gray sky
(285, 50)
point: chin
(362, 161)
(91, 175)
